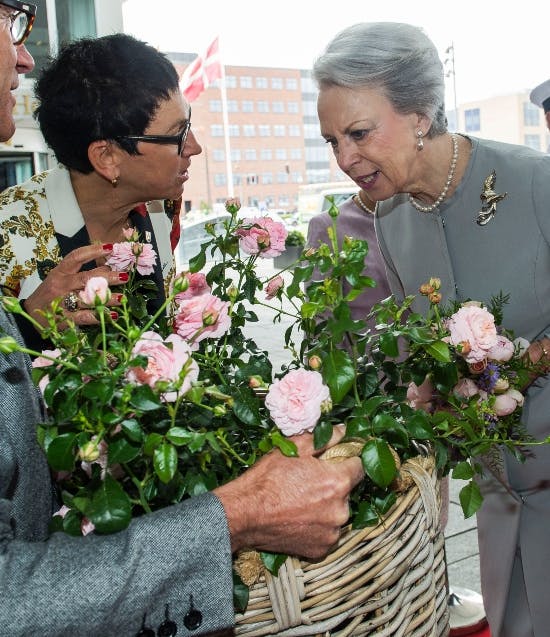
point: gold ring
(70, 302)
(544, 350)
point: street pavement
(460, 535)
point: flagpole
(229, 170)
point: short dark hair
(100, 88)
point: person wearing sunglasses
(122, 136)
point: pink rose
(96, 291)
(295, 402)
(420, 396)
(262, 236)
(274, 285)
(86, 526)
(197, 285)
(465, 388)
(200, 317)
(502, 350)
(505, 404)
(100, 457)
(476, 326)
(42, 361)
(165, 362)
(62, 512)
(146, 257)
(127, 255)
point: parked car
(193, 234)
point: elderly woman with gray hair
(473, 212)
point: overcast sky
(498, 49)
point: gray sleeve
(103, 585)
(396, 287)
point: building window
(252, 179)
(291, 83)
(317, 153)
(279, 130)
(245, 81)
(283, 201)
(532, 141)
(282, 177)
(264, 130)
(234, 130)
(216, 130)
(232, 106)
(230, 81)
(266, 154)
(247, 106)
(309, 108)
(75, 19)
(218, 155)
(294, 130)
(249, 130)
(293, 107)
(220, 179)
(472, 120)
(295, 153)
(235, 154)
(262, 107)
(267, 178)
(278, 107)
(531, 114)
(215, 106)
(261, 82)
(277, 83)
(250, 154)
(280, 153)
(296, 178)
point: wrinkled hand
(66, 277)
(291, 505)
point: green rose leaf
(101, 389)
(110, 508)
(470, 499)
(179, 436)
(338, 373)
(165, 461)
(121, 451)
(145, 399)
(378, 462)
(273, 561)
(61, 452)
(388, 344)
(439, 350)
(132, 429)
(322, 434)
(197, 263)
(419, 427)
(285, 446)
(463, 471)
(366, 515)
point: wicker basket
(385, 580)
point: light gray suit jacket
(511, 253)
(97, 585)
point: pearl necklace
(363, 206)
(420, 207)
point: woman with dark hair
(111, 111)
(474, 213)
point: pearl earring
(419, 141)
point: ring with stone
(70, 302)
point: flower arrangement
(145, 410)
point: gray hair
(395, 58)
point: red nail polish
(118, 298)
(123, 276)
(107, 247)
(114, 315)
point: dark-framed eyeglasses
(180, 139)
(21, 20)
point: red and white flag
(198, 76)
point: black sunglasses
(21, 21)
(180, 139)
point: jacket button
(168, 628)
(146, 632)
(193, 619)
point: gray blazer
(97, 585)
(511, 253)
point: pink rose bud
(478, 367)
(315, 362)
(254, 382)
(220, 411)
(465, 388)
(96, 291)
(233, 205)
(86, 526)
(274, 285)
(426, 289)
(463, 348)
(434, 298)
(517, 396)
(210, 317)
(181, 283)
